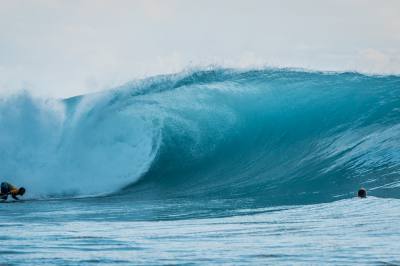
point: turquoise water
(80, 232)
(215, 166)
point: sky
(56, 48)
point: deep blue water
(206, 167)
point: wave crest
(274, 135)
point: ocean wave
(272, 135)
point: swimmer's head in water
(362, 193)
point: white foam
(97, 151)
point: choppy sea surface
(212, 166)
(80, 232)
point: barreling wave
(272, 135)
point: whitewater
(207, 166)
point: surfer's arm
(14, 197)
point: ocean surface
(211, 166)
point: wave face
(272, 135)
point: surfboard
(11, 201)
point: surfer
(362, 193)
(8, 189)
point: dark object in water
(362, 193)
